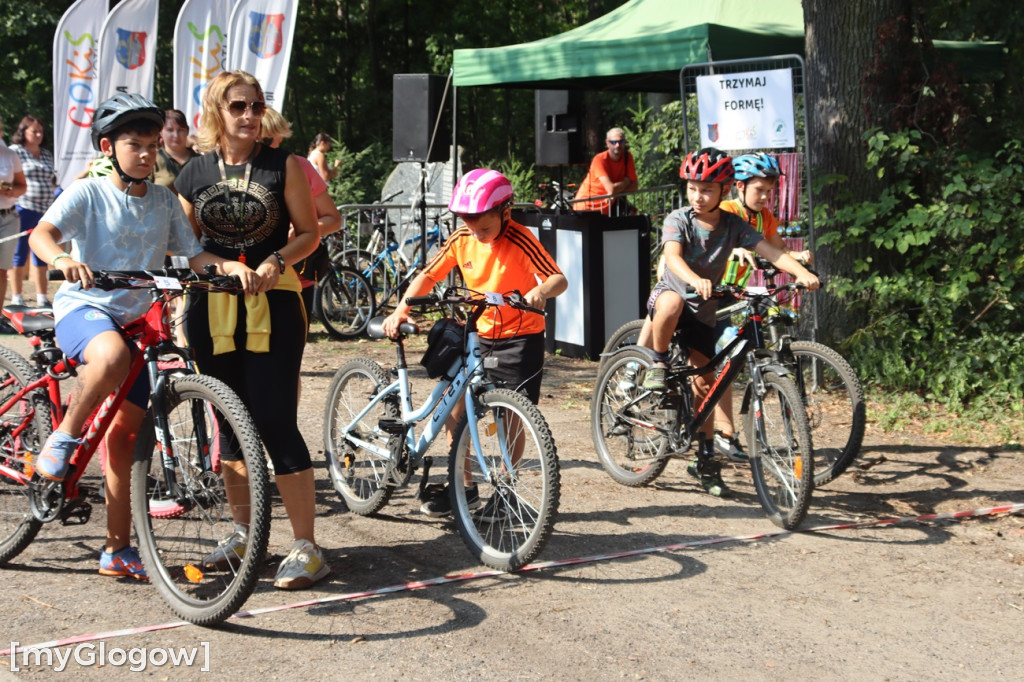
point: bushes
(943, 286)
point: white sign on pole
(75, 87)
(260, 42)
(200, 52)
(748, 110)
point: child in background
(756, 176)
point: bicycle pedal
(393, 426)
(79, 513)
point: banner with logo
(128, 48)
(75, 88)
(200, 52)
(260, 42)
(748, 110)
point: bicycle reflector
(445, 342)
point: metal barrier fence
(358, 221)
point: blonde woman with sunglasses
(241, 196)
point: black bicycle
(828, 386)
(637, 430)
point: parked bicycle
(553, 196)
(344, 302)
(179, 505)
(502, 445)
(828, 386)
(394, 264)
(637, 430)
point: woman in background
(37, 165)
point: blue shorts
(29, 219)
(76, 329)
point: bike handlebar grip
(55, 275)
(429, 299)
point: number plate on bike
(494, 298)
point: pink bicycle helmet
(479, 191)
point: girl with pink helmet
(480, 191)
(494, 254)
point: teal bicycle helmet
(759, 165)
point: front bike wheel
(506, 519)
(628, 423)
(781, 453)
(344, 302)
(835, 407)
(360, 464)
(182, 509)
(23, 428)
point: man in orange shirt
(494, 254)
(611, 172)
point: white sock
(41, 298)
(17, 299)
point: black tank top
(257, 218)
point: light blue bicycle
(503, 475)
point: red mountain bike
(179, 505)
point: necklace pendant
(241, 258)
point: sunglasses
(616, 142)
(238, 107)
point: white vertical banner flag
(75, 86)
(260, 42)
(128, 48)
(200, 52)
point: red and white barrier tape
(463, 577)
(16, 236)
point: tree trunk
(841, 46)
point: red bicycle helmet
(707, 165)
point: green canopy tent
(642, 45)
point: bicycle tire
(344, 303)
(779, 439)
(18, 526)
(181, 511)
(626, 335)
(523, 504)
(364, 480)
(835, 407)
(624, 418)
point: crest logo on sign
(131, 48)
(713, 132)
(266, 34)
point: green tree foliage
(943, 285)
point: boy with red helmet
(698, 241)
(493, 253)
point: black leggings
(268, 383)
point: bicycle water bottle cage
(444, 345)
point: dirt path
(934, 601)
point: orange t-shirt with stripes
(514, 260)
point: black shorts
(695, 334)
(520, 363)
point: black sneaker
(709, 473)
(496, 509)
(439, 504)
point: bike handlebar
(513, 299)
(120, 279)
